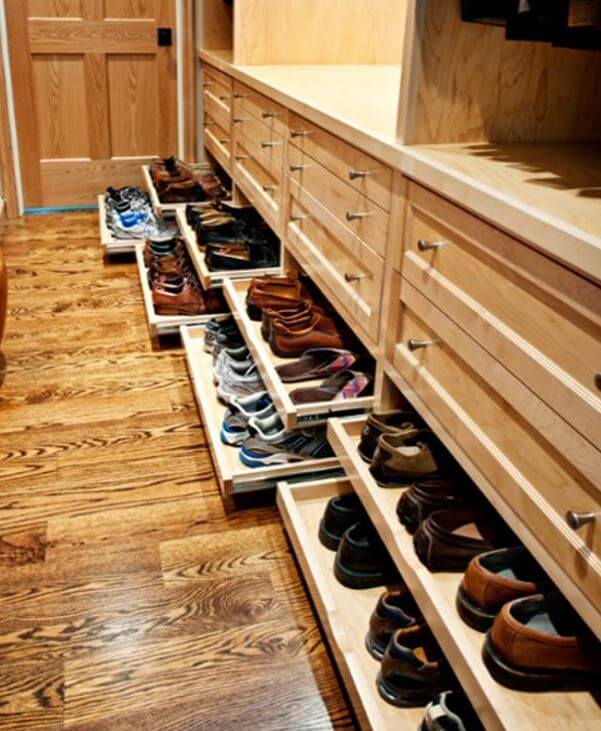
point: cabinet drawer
(453, 375)
(217, 141)
(541, 320)
(349, 273)
(265, 145)
(364, 173)
(217, 111)
(350, 207)
(247, 101)
(217, 81)
(262, 188)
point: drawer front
(217, 141)
(247, 102)
(350, 207)
(214, 109)
(542, 321)
(364, 173)
(526, 471)
(263, 190)
(214, 78)
(350, 273)
(265, 145)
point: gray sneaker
(234, 383)
(296, 446)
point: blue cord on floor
(59, 209)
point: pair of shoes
(535, 640)
(129, 215)
(222, 333)
(241, 411)
(362, 560)
(450, 711)
(175, 288)
(388, 422)
(271, 444)
(178, 183)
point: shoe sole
(405, 698)
(265, 461)
(229, 443)
(471, 614)
(255, 313)
(534, 680)
(357, 579)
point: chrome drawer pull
(354, 277)
(354, 174)
(424, 245)
(223, 98)
(270, 115)
(577, 520)
(296, 219)
(206, 84)
(270, 144)
(207, 124)
(223, 142)
(414, 344)
(598, 380)
(239, 120)
(241, 157)
(296, 168)
(239, 95)
(268, 188)
(300, 132)
(350, 216)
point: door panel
(97, 96)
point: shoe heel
(255, 313)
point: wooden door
(95, 95)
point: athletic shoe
(237, 358)
(296, 446)
(235, 427)
(233, 383)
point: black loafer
(362, 560)
(341, 512)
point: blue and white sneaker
(235, 427)
(296, 446)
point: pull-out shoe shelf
(294, 416)
(234, 477)
(498, 707)
(207, 277)
(162, 324)
(110, 243)
(344, 613)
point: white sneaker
(232, 383)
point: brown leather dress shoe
(539, 643)
(183, 301)
(395, 610)
(273, 294)
(291, 342)
(414, 669)
(401, 457)
(494, 578)
(449, 539)
(428, 496)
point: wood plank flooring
(129, 597)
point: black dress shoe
(394, 610)
(341, 512)
(362, 560)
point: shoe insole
(509, 573)
(469, 530)
(541, 622)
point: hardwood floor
(129, 598)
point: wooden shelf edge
(498, 707)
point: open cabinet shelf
(498, 707)
(233, 476)
(292, 415)
(110, 243)
(344, 613)
(162, 324)
(207, 277)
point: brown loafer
(185, 301)
(274, 294)
(494, 578)
(402, 457)
(539, 643)
(292, 342)
(449, 539)
(390, 422)
(395, 610)
(426, 497)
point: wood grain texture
(129, 597)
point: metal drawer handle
(414, 344)
(223, 98)
(354, 174)
(268, 188)
(300, 217)
(300, 132)
(207, 124)
(296, 168)
(354, 277)
(270, 144)
(239, 95)
(270, 115)
(577, 520)
(351, 216)
(206, 84)
(241, 157)
(424, 245)
(239, 120)
(598, 380)
(223, 142)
